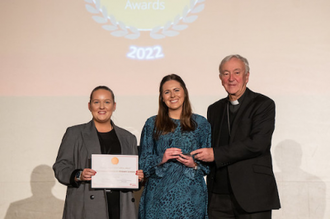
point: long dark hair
(163, 123)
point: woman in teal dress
(175, 187)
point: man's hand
(204, 154)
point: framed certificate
(115, 171)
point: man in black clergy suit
(241, 183)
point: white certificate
(115, 171)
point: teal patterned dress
(173, 190)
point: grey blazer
(78, 143)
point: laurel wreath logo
(119, 29)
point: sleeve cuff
(73, 182)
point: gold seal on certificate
(115, 171)
(114, 160)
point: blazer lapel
(91, 139)
(244, 105)
(221, 119)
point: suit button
(133, 199)
(92, 197)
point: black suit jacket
(247, 156)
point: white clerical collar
(234, 102)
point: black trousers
(223, 206)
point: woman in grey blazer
(72, 166)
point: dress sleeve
(204, 139)
(148, 158)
